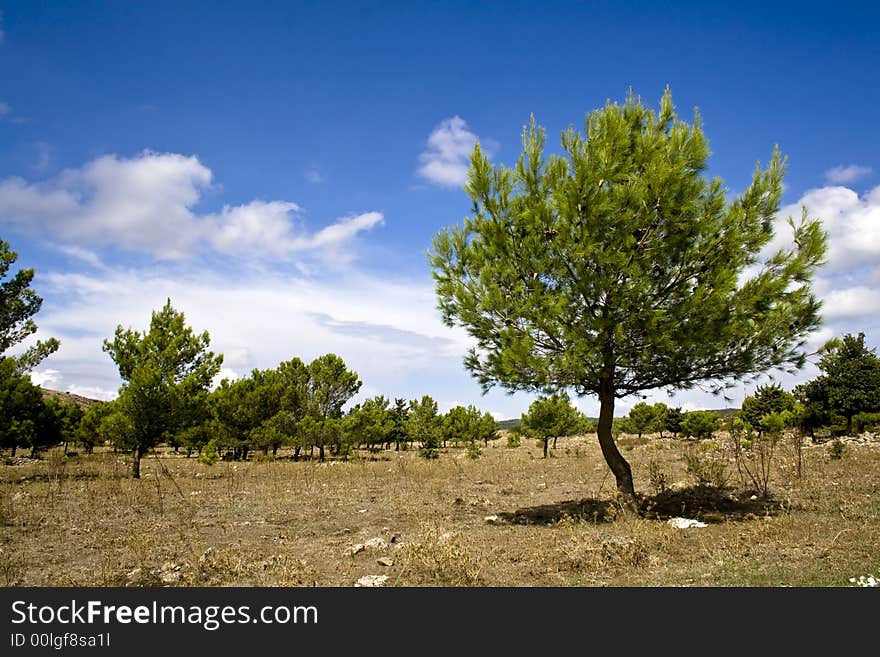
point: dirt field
(81, 521)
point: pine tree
(18, 304)
(161, 369)
(618, 267)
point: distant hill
(69, 398)
(514, 423)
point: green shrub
(210, 453)
(700, 424)
(513, 440)
(866, 422)
(706, 471)
(473, 451)
(429, 452)
(836, 450)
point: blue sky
(279, 169)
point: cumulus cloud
(147, 204)
(46, 378)
(843, 175)
(446, 159)
(852, 221)
(387, 331)
(851, 302)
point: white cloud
(147, 203)
(93, 392)
(46, 378)
(842, 175)
(851, 302)
(446, 160)
(253, 226)
(387, 331)
(852, 221)
(342, 231)
(84, 255)
(4, 107)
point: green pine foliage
(700, 424)
(551, 417)
(618, 267)
(642, 418)
(162, 370)
(425, 425)
(18, 304)
(766, 400)
(849, 383)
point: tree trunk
(296, 452)
(618, 465)
(14, 447)
(849, 425)
(274, 450)
(136, 464)
(546, 442)
(321, 453)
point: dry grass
(82, 522)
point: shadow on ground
(703, 503)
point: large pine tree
(619, 267)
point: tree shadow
(708, 504)
(547, 514)
(705, 503)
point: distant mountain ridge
(69, 398)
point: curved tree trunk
(618, 465)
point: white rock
(357, 548)
(372, 580)
(685, 523)
(377, 543)
(385, 561)
(491, 519)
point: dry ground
(81, 521)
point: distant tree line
(844, 399)
(167, 398)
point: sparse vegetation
(83, 522)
